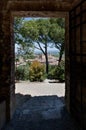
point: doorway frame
(50, 14)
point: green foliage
(36, 72)
(39, 33)
(24, 47)
(51, 72)
(57, 34)
(58, 72)
(45, 32)
(22, 72)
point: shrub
(51, 72)
(57, 72)
(36, 72)
(22, 72)
(60, 71)
(26, 72)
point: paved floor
(37, 112)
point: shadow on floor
(40, 113)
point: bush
(60, 72)
(36, 72)
(57, 72)
(51, 72)
(22, 72)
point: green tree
(57, 35)
(44, 32)
(37, 31)
(24, 49)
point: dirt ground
(40, 88)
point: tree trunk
(60, 57)
(61, 53)
(46, 58)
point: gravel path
(41, 89)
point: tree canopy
(57, 34)
(44, 32)
(24, 48)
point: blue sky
(50, 49)
(30, 18)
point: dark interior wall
(78, 63)
(7, 87)
(75, 55)
(7, 10)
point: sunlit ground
(40, 88)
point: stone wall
(2, 113)
(8, 10)
(6, 66)
(67, 65)
(78, 63)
